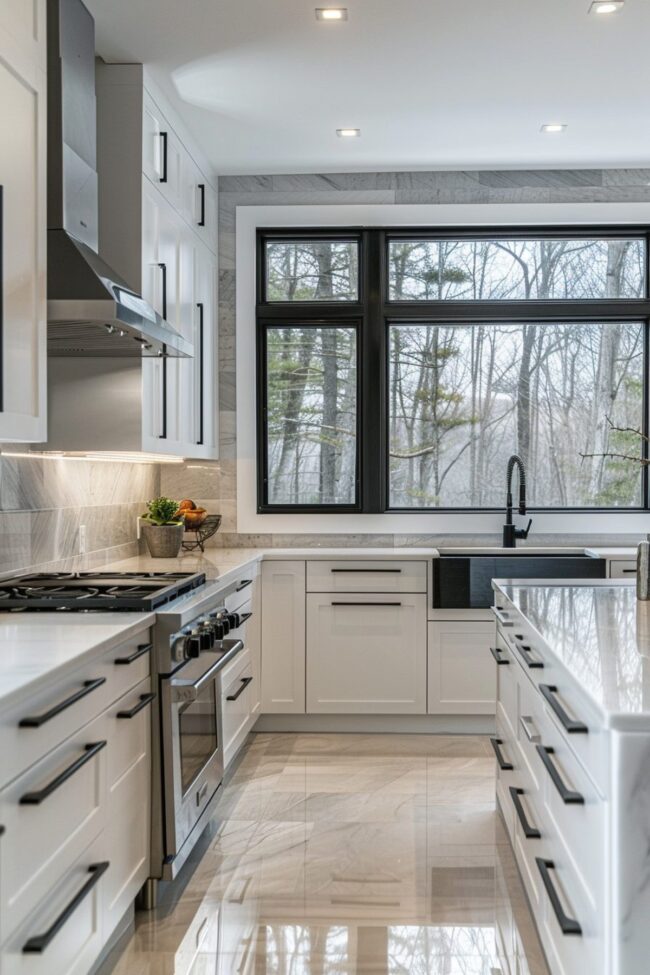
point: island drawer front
(44, 838)
(622, 569)
(570, 954)
(530, 723)
(76, 945)
(364, 575)
(507, 682)
(95, 685)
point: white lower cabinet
(366, 654)
(283, 637)
(462, 671)
(236, 682)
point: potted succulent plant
(162, 530)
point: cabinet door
(462, 671)
(283, 637)
(23, 222)
(366, 654)
(161, 153)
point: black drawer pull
(245, 681)
(568, 925)
(163, 140)
(548, 692)
(36, 798)
(349, 603)
(37, 720)
(629, 570)
(201, 220)
(497, 656)
(567, 795)
(503, 764)
(530, 832)
(38, 944)
(140, 706)
(365, 570)
(138, 652)
(525, 650)
(243, 584)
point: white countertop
(599, 634)
(39, 648)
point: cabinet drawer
(366, 655)
(623, 569)
(235, 703)
(51, 814)
(75, 900)
(366, 576)
(570, 953)
(51, 715)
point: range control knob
(207, 636)
(234, 620)
(219, 630)
(193, 644)
(179, 649)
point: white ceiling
(263, 86)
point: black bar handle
(163, 268)
(38, 944)
(202, 210)
(140, 706)
(163, 140)
(163, 405)
(37, 720)
(36, 798)
(201, 309)
(504, 765)
(497, 656)
(530, 832)
(568, 925)
(531, 663)
(243, 584)
(245, 681)
(138, 652)
(365, 570)
(568, 796)
(348, 603)
(548, 692)
(629, 570)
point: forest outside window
(398, 371)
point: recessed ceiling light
(331, 13)
(553, 127)
(348, 133)
(606, 6)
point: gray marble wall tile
(540, 177)
(191, 480)
(245, 184)
(626, 177)
(479, 194)
(227, 391)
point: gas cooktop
(95, 591)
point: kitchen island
(573, 765)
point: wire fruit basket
(208, 527)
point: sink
(541, 551)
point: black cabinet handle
(140, 706)
(629, 570)
(200, 361)
(348, 603)
(568, 796)
(548, 692)
(497, 656)
(163, 406)
(365, 570)
(531, 663)
(202, 210)
(138, 652)
(568, 925)
(163, 141)
(243, 584)
(38, 944)
(245, 681)
(37, 720)
(36, 798)
(530, 832)
(503, 764)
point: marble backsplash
(45, 501)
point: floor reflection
(348, 855)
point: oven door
(192, 746)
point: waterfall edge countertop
(598, 634)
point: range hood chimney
(91, 310)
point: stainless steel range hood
(91, 310)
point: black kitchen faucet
(510, 533)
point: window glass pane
(311, 415)
(312, 270)
(507, 270)
(463, 398)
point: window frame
(375, 312)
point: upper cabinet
(23, 110)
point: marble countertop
(39, 648)
(599, 635)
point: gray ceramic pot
(163, 541)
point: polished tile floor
(348, 855)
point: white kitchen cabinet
(366, 654)
(23, 222)
(622, 569)
(283, 637)
(236, 682)
(462, 671)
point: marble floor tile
(348, 855)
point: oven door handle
(183, 691)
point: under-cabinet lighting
(348, 133)
(606, 6)
(553, 127)
(331, 13)
(107, 456)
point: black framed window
(398, 370)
